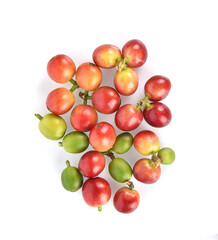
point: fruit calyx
(144, 103)
(121, 64)
(156, 161)
(130, 185)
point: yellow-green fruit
(52, 126)
(167, 155)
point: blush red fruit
(83, 118)
(61, 68)
(60, 101)
(106, 56)
(96, 192)
(157, 87)
(157, 115)
(136, 53)
(126, 200)
(146, 171)
(106, 100)
(102, 136)
(128, 117)
(91, 164)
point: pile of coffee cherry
(102, 136)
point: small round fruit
(128, 117)
(123, 143)
(126, 200)
(136, 53)
(60, 101)
(75, 142)
(157, 115)
(146, 142)
(88, 76)
(52, 126)
(157, 87)
(106, 100)
(106, 56)
(71, 178)
(120, 170)
(96, 192)
(91, 164)
(61, 68)
(102, 137)
(83, 118)
(167, 155)
(126, 81)
(146, 171)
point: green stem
(68, 163)
(85, 97)
(60, 144)
(38, 116)
(75, 85)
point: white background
(182, 42)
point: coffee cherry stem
(38, 116)
(85, 96)
(68, 163)
(99, 208)
(75, 85)
(121, 65)
(130, 185)
(110, 155)
(60, 144)
(143, 103)
(156, 159)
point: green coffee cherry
(120, 170)
(52, 126)
(75, 142)
(123, 143)
(167, 155)
(71, 178)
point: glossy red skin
(158, 115)
(61, 68)
(128, 117)
(96, 192)
(146, 142)
(60, 101)
(91, 164)
(126, 200)
(102, 137)
(83, 118)
(157, 87)
(126, 81)
(106, 100)
(146, 171)
(106, 56)
(88, 76)
(136, 51)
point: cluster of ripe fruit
(102, 137)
